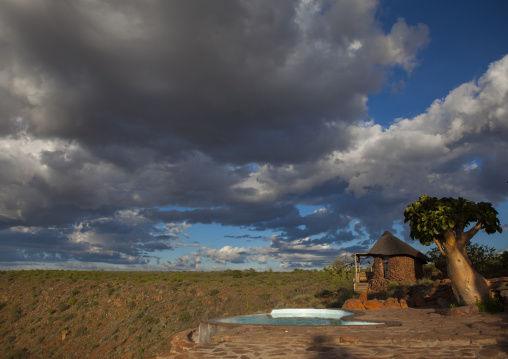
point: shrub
(151, 319)
(490, 304)
(303, 299)
(237, 273)
(184, 316)
(325, 293)
(62, 307)
(16, 314)
(81, 303)
(20, 353)
(213, 292)
(81, 331)
(73, 301)
(67, 316)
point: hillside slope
(71, 314)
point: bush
(81, 331)
(325, 293)
(237, 273)
(20, 353)
(16, 314)
(184, 316)
(393, 285)
(62, 307)
(490, 304)
(67, 316)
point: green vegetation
(490, 304)
(484, 259)
(451, 224)
(100, 314)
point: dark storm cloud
(125, 238)
(113, 113)
(240, 81)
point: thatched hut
(396, 260)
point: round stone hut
(396, 260)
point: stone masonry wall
(378, 268)
(404, 269)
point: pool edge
(208, 328)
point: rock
(392, 303)
(443, 303)
(373, 304)
(403, 304)
(363, 297)
(353, 304)
(458, 311)
(418, 300)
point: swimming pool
(283, 318)
(314, 317)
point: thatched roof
(389, 245)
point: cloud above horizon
(123, 125)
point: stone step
(360, 287)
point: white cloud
(227, 254)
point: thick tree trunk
(468, 285)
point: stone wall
(401, 269)
(378, 268)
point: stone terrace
(423, 334)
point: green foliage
(19, 353)
(63, 306)
(152, 305)
(484, 259)
(184, 316)
(213, 292)
(490, 304)
(82, 330)
(325, 293)
(67, 316)
(237, 274)
(341, 270)
(16, 314)
(430, 217)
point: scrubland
(97, 314)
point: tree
(484, 259)
(342, 267)
(447, 222)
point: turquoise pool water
(308, 317)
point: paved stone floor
(423, 334)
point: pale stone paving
(423, 334)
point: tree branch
(470, 234)
(439, 246)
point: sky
(199, 135)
